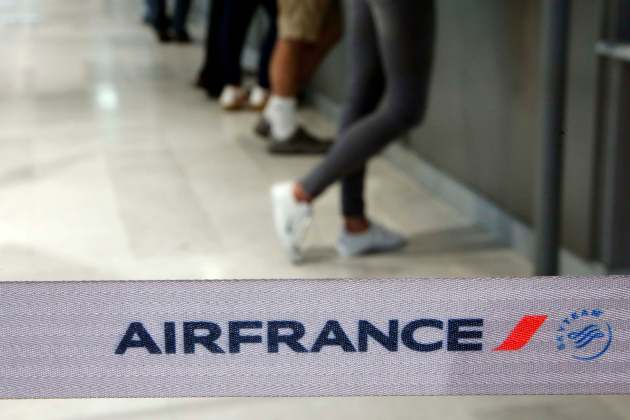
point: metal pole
(548, 207)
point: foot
(263, 128)
(258, 98)
(300, 143)
(291, 219)
(183, 37)
(376, 239)
(200, 82)
(163, 35)
(161, 26)
(232, 98)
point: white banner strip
(315, 337)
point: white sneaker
(258, 98)
(291, 218)
(377, 239)
(232, 98)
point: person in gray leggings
(390, 56)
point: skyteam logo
(585, 334)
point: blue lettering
(208, 340)
(389, 341)
(455, 334)
(339, 338)
(144, 340)
(170, 344)
(292, 340)
(236, 339)
(410, 329)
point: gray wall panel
(482, 123)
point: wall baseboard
(504, 227)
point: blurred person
(210, 76)
(308, 29)
(163, 24)
(236, 20)
(148, 17)
(390, 57)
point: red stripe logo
(522, 333)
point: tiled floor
(113, 167)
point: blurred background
(129, 151)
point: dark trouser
(180, 16)
(210, 77)
(237, 18)
(390, 56)
(149, 12)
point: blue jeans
(159, 16)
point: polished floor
(112, 166)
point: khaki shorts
(303, 20)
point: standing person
(210, 78)
(308, 30)
(391, 50)
(162, 23)
(237, 18)
(148, 17)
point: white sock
(281, 112)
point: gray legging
(391, 51)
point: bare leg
(294, 62)
(285, 68)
